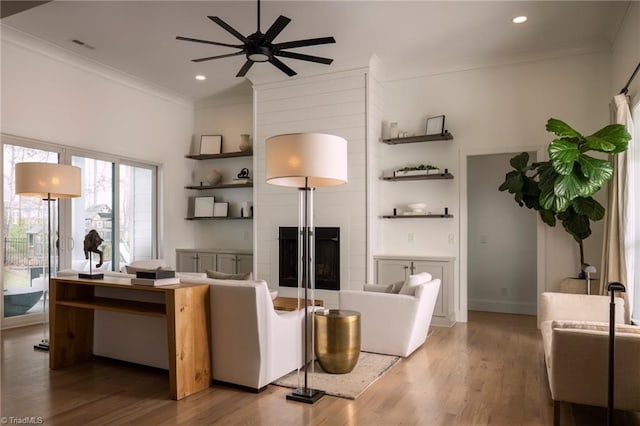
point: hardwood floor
(486, 372)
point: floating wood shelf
(418, 177)
(218, 218)
(222, 155)
(117, 305)
(224, 185)
(419, 216)
(421, 138)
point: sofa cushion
(379, 288)
(222, 276)
(413, 281)
(595, 326)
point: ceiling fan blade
(282, 67)
(302, 57)
(276, 28)
(208, 42)
(218, 56)
(229, 28)
(302, 43)
(244, 69)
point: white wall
(51, 95)
(335, 104)
(229, 116)
(626, 52)
(501, 241)
(489, 110)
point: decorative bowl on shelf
(417, 207)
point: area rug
(370, 367)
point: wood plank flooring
(486, 372)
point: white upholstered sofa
(394, 324)
(575, 336)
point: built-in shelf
(419, 216)
(224, 185)
(222, 155)
(420, 138)
(116, 305)
(418, 177)
(219, 218)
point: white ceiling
(410, 38)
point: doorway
(501, 241)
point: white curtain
(620, 234)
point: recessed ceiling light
(519, 19)
(201, 77)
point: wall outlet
(504, 291)
(410, 237)
(483, 239)
(452, 239)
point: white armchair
(393, 324)
(251, 344)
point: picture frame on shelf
(220, 209)
(435, 125)
(210, 144)
(203, 206)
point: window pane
(25, 229)
(94, 210)
(136, 214)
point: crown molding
(42, 47)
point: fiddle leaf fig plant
(562, 188)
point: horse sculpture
(91, 243)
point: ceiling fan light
(259, 54)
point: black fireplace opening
(327, 259)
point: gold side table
(337, 342)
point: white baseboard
(502, 306)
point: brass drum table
(337, 342)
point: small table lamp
(50, 181)
(306, 161)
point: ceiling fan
(258, 47)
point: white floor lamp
(50, 180)
(306, 161)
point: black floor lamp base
(308, 396)
(42, 346)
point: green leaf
(513, 182)
(562, 129)
(550, 201)
(568, 186)
(616, 135)
(562, 168)
(596, 170)
(588, 207)
(563, 151)
(599, 144)
(519, 162)
(577, 225)
(548, 217)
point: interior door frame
(462, 297)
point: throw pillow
(222, 276)
(413, 281)
(133, 269)
(377, 288)
(397, 286)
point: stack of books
(156, 277)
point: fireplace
(327, 262)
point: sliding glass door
(119, 202)
(25, 237)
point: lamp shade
(48, 179)
(306, 159)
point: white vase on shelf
(393, 130)
(245, 143)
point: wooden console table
(291, 303)
(186, 309)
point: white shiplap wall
(334, 104)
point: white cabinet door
(244, 263)
(186, 261)
(207, 262)
(390, 271)
(227, 263)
